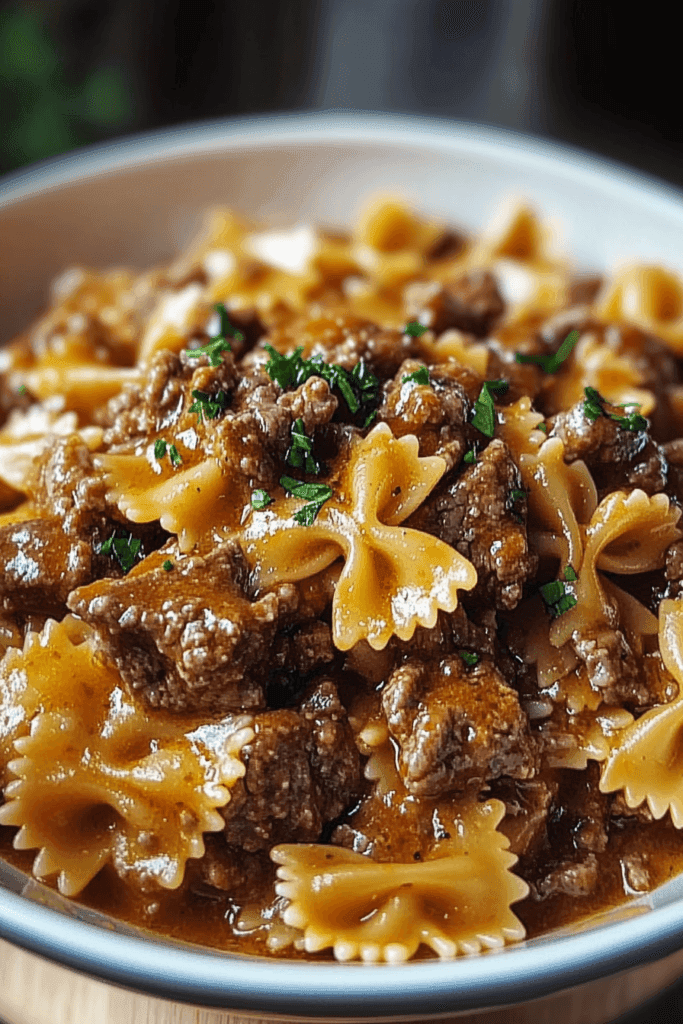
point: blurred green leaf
(26, 51)
(106, 99)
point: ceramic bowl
(136, 202)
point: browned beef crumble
(456, 724)
(471, 303)
(302, 771)
(618, 459)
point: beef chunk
(302, 771)
(345, 339)
(573, 878)
(577, 830)
(619, 459)
(454, 723)
(527, 805)
(189, 639)
(437, 413)
(471, 303)
(228, 871)
(483, 518)
(41, 566)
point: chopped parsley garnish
(300, 453)
(315, 494)
(469, 658)
(414, 328)
(517, 494)
(470, 457)
(542, 426)
(420, 376)
(260, 499)
(168, 565)
(594, 407)
(213, 349)
(557, 596)
(216, 346)
(22, 389)
(174, 455)
(208, 405)
(159, 448)
(551, 363)
(124, 549)
(359, 387)
(484, 417)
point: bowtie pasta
(342, 590)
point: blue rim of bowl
(303, 989)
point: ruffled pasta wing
(185, 501)
(646, 761)
(95, 782)
(628, 533)
(458, 903)
(649, 297)
(393, 578)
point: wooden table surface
(34, 991)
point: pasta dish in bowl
(342, 611)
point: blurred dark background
(76, 71)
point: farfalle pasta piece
(650, 297)
(26, 435)
(394, 578)
(83, 385)
(96, 783)
(595, 364)
(646, 759)
(628, 533)
(455, 903)
(185, 500)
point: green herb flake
(358, 387)
(260, 499)
(484, 417)
(542, 426)
(470, 457)
(300, 453)
(517, 494)
(315, 494)
(557, 596)
(174, 456)
(420, 376)
(168, 565)
(22, 389)
(594, 406)
(213, 349)
(414, 329)
(469, 658)
(593, 403)
(551, 363)
(570, 574)
(159, 448)
(124, 549)
(209, 405)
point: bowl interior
(136, 203)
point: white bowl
(136, 202)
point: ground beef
(455, 723)
(619, 459)
(189, 639)
(577, 831)
(302, 771)
(482, 514)
(471, 303)
(438, 413)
